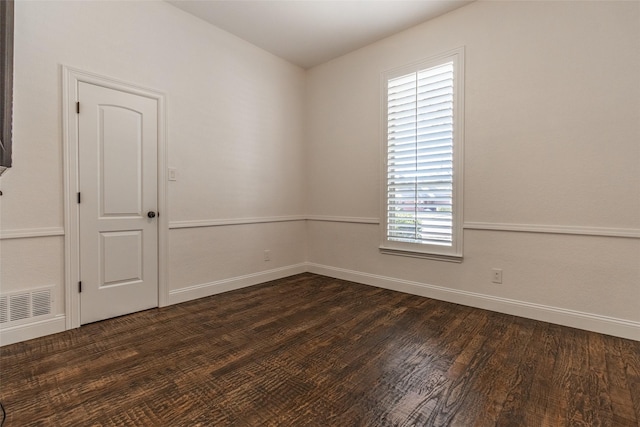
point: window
(423, 137)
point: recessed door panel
(121, 258)
(120, 161)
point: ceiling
(310, 32)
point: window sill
(430, 256)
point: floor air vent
(19, 306)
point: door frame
(71, 77)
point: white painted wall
(552, 132)
(235, 117)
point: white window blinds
(421, 133)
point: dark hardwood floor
(314, 351)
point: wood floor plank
(630, 354)
(460, 403)
(599, 411)
(310, 350)
(502, 393)
(623, 413)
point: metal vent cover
(4, 309)
(18, 306)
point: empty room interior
(323, 213)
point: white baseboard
(575, 319)
(571, 318)
(225, 285)
(29, 331)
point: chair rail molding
(554, 229)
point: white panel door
(117, 155)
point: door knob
(151, 214)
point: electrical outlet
(496, 275)
(267, 255)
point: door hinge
(78, 107)
(78, 197)
(79, 287)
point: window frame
(453, 253)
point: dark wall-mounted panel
(6, 82)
